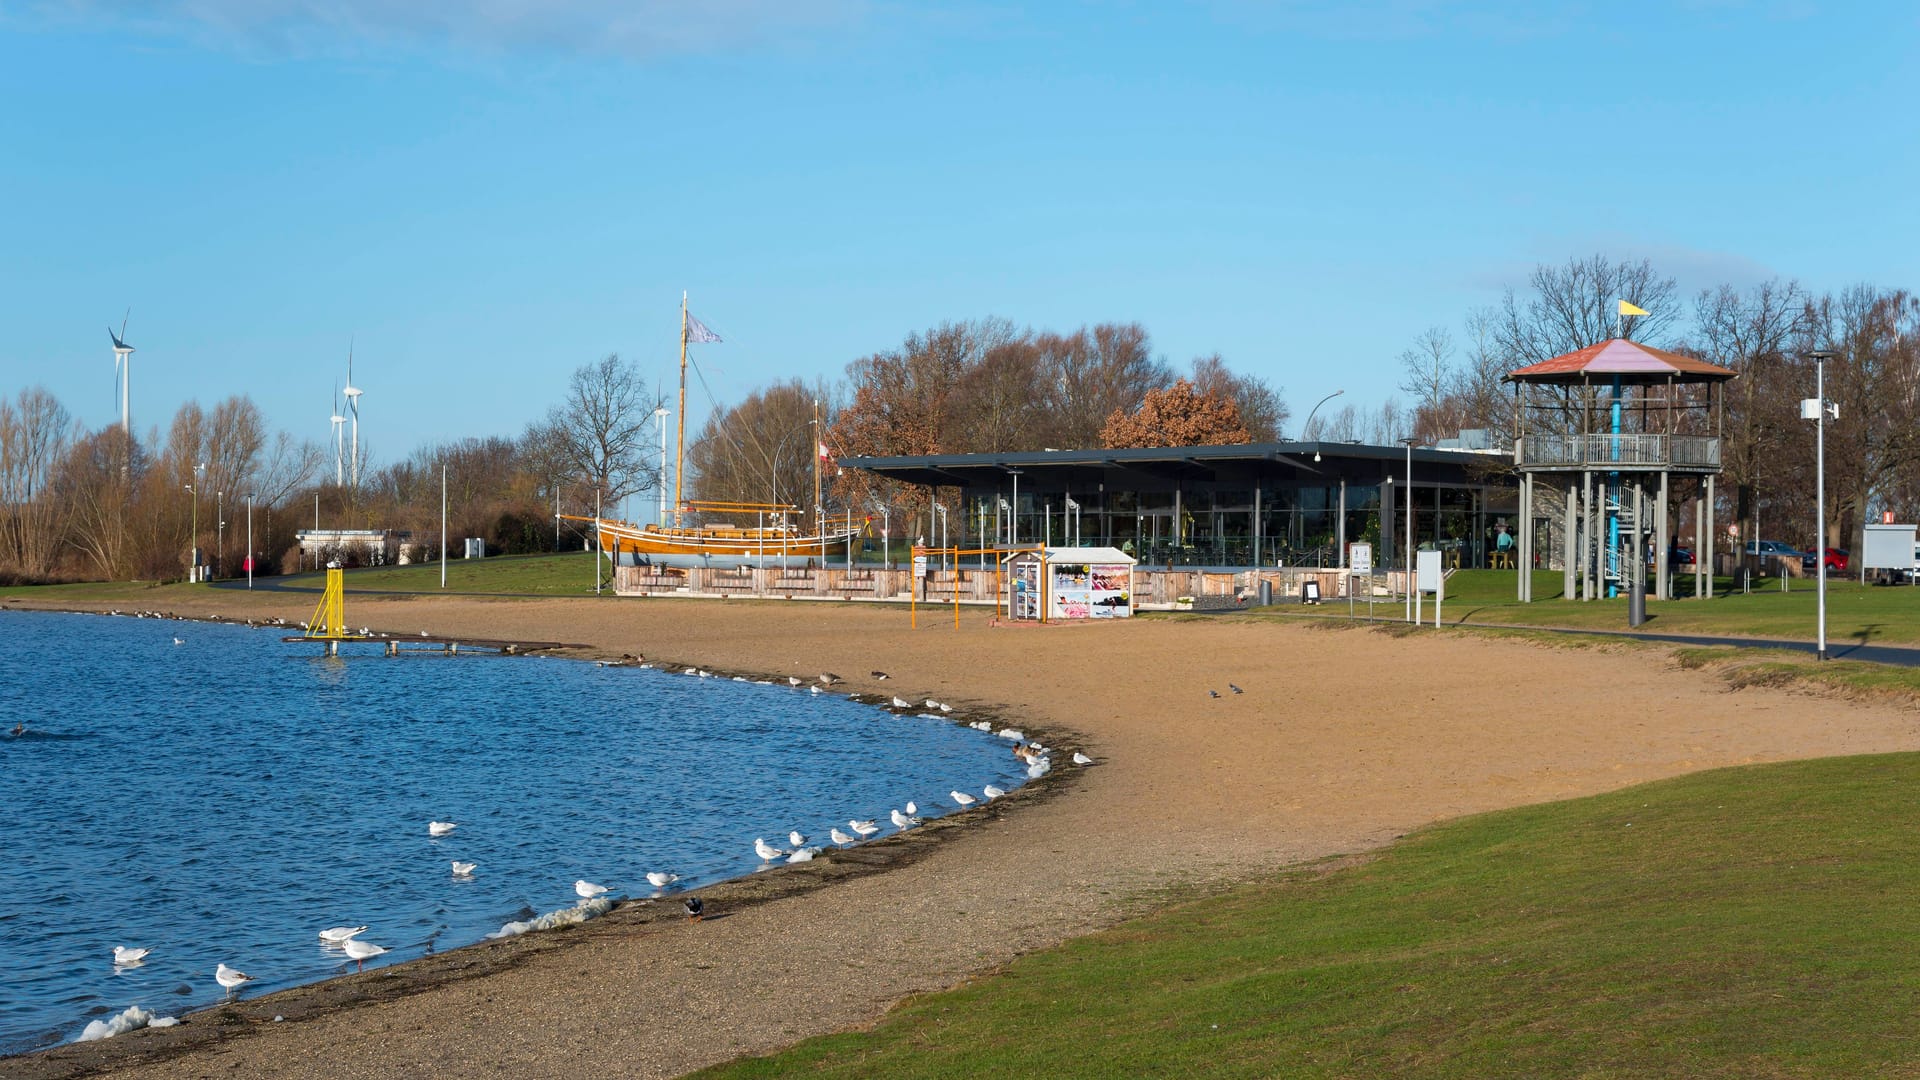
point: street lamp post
(193, 538)
(940, 508)
(249, 539)
(219, 530)
(1408, 557)
(660, 420)
(1307, 428)
(1819, 404)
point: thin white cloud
(632, 29)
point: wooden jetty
(329, 626)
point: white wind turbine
(353, 406)
(339, 448)
(122, 367)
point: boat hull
(725, 547)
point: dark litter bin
(1266, 591)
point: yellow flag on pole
(1629, 309)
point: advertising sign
(1360, 558)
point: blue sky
(485, 195)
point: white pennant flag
(697, 331)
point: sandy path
(1343, 740)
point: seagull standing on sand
(839, 837)
(797, 838)
(993, 793)
(230, 979)
(660, 879)
(362, 951)
(792, 681)
(804, 854)
(1081, 759)
(962, 798)
(902, 703)
(587, 890)
(440, 828)
(125, 957)
(864, 828)
(766, 851)
(880, 675)
(902, 821)
(338, 934)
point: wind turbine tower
(353, 406)
(123, 367)
(339, 449)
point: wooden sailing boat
(776, 537)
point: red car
(1836, 561)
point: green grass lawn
(1743, 922)
(1855, 613)
(568, 574)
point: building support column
(1662, 584)
(1523, 543)
(1340, 528)
(1705, 553)
(1568, 592)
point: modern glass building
(1228, 507)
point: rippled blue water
(225, 799)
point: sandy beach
(1342, 740)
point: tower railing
(1632, 450)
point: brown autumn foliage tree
(1179, 415)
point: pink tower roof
(1618, 356)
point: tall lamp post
(660, 420)
(1408, 557)
(249, 539)
(1818, 408)
(219, 530)
(193, 546)
(1307, 428)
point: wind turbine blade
(123, 323)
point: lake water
(225, 799)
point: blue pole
(1615, 564)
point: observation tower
(1618, 433)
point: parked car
(1836, 561)
(1771, 549)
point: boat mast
(818, 444)
(680, 440)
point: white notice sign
(1429, 567)
(919, 566)
(1360, 558)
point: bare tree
(1262, 408)
(600, 429)
(762, 450)
(35, 430)
(1576, 305)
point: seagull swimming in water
(362, 951)
(440, 828)
(766, 851)
(230, 979)
(179, 641)
(125, 957)
(338, 934)
(463, 869)
(839, 837)
(912, 807)
(962, 798)
(587, 890)
(864, 828)
(660, 879)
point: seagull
(830, 678)
(125, 957)
(1235, 689)
(1213, 693)
(792, 681)
(362, 951)
(179, 641)
(911, 808)
(766, 851)
(932, 704)
(1081, 759)
(230, 978)
(864, 828)
(660, 879)
(796, 838)
(962, 798)
(440, 828)
(804, 854)
(587, 890)
(340, 933)
(691, 671)
(880, 675)
(1039, 769)
(839, 837)
(993, 792)
(902, 703)
(463, 869)
(1013, 733)
(423, 633)
(694, 907)
(902, 821)
(945, 708)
